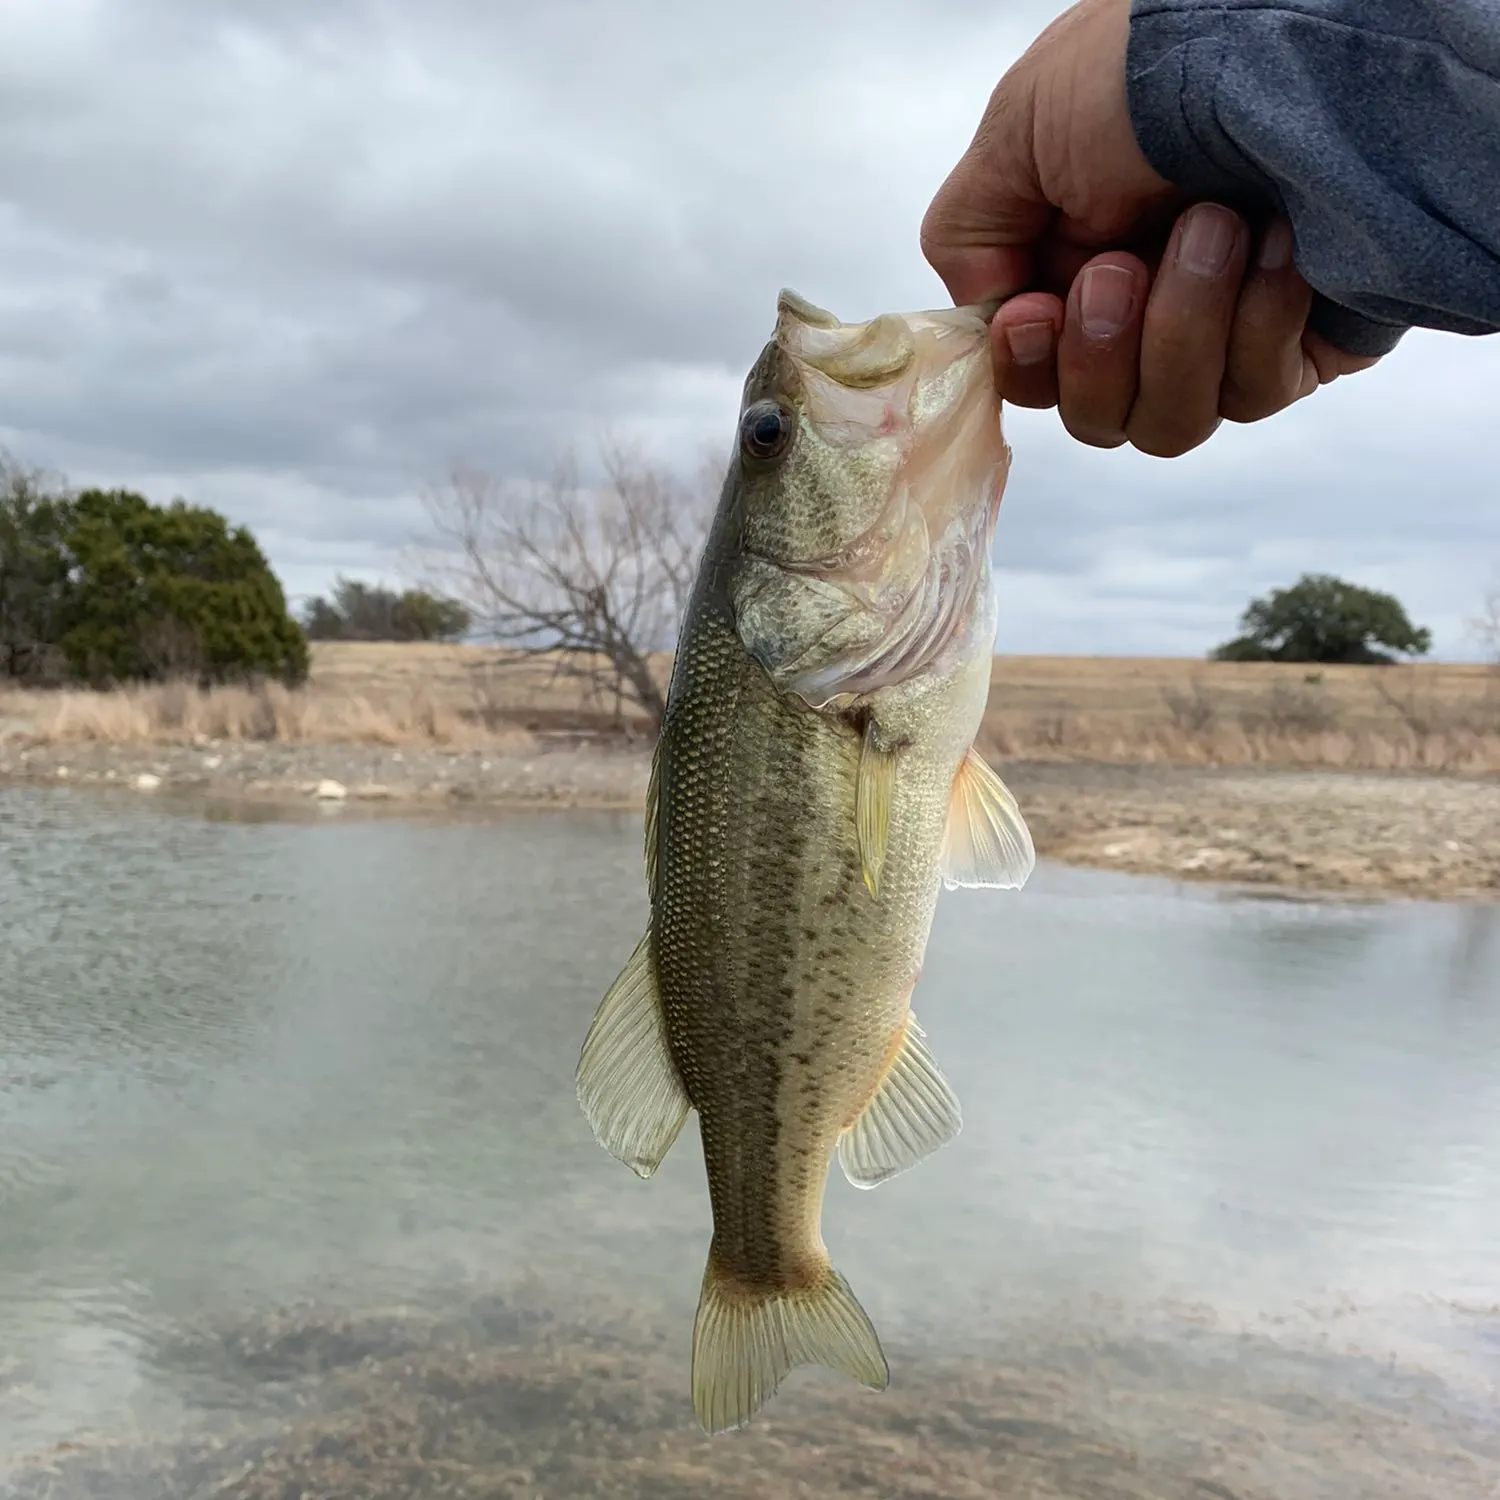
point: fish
(815, 784)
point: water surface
(327, 1067)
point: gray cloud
(292, 260)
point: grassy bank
(1122, 711)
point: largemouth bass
(815, 784)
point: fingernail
(1208, 240)
(1276, 248)
(1030, 343)
(1106, 300)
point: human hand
(1142, 322)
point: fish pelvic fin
(627, 1083)
(873, 794)
(914, 1112)
(746, 1340)
(986, 842)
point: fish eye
(765, 430)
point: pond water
(1225, 1211)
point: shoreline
(1396, 834)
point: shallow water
(248, 1066)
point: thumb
(981, 230)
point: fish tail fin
(747, 1340)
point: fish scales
(814, 786)
(782, 993)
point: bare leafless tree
(595, 576)
(31, 575)
(1486, 625)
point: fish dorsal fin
(872, 806)
(914, 1113)
(627, 1083)
(653, 804)
(986, 842)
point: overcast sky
(291, 258)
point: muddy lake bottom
(503, 1398)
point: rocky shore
(1341, 833)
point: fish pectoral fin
(627, 1083)
(987, 842)
(874, 790)
(914, 1113)
(746, 1340)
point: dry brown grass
(357, 694)
(1185, 712)
(1106, 709)
(176, 713)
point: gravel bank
(1433, 837)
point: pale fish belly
(772, 991)
(816, 987)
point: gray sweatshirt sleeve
(1373, 124)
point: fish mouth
(792, 306)
(864, 357)
(922, 385)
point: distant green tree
(368, 612)
(33, 572)
(161, 591)
(1323, 619)
(321, 621)
(420, 616)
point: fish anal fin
(987, 842)
(627, 1083)
(746, 1340)
(914, 1113)
(873, 794)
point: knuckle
(1170, 440)
(1159, 446)
(1096, 398)
(931, 239)
(932, 221)
(1240, 407)
(1257, 388)
(942, 224)
(1091, 435)
(1030, 400)
(1187, 315)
